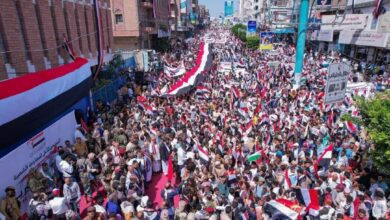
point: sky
(215, 6)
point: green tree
(252, 42)
(376, 120)
(239, 30)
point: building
(32, 33)
(251, 10)
(137, 22)
(366, 39)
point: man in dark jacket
(164, 154)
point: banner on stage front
(336, 83)
(266, 41)
(19, 163)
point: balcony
(147, 3)
(148, 26)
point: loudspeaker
(139, 77)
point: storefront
(364, 45)
(321, 39)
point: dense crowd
(246, 139)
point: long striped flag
(377, 8)
(203, 154)
(202, 89)
(99, 37)
(236, 92)
(351, 127)
(287, 181)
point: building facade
(137, 22)
(366, 39)
(32, 33)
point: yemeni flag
(235, 92)
(267, 139)
(141, 98)
(287, 181)
(351, 127)
(326, 156)
(203, 154)
(84, 125)
(68, 47)
(377, 9)
(146, 108)
(248, 128)
(99, 36)
(202, 89)
(309, 198)
(243, 111)
(170, 168)
(232, 175)
(283, 209)
(254, 157)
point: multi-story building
(32, 33)
(251, 10)
(137, 22)
(351, 28)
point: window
(118, 18)
(256, 7)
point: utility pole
(301, 39)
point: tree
(239, 30)
(252, 42)
(375, 117)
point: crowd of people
(245, 139)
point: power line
(53, 48)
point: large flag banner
(39, 98)
(266, 40)
(336, 83)
(193, 76)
